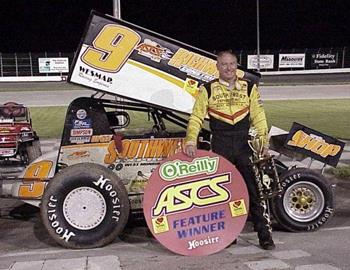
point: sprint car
(146, 85)
(109, 149)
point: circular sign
(196, 206)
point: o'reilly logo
(178, 169)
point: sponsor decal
(324, 59)
(191, 86)
(160, 224)
(238, 208)
(314, 144)
(296, 60)
(52, 214)
(81, 114)
(194, 65)
(322, 219)
(138, 184)
(266, 61)
(106, 185)
(178, 168)
(81, 132)
(140, 149)
(101, 138)
(80, 139)
(96, 77)
(154, 51)
(172, 199)
(195, 206)
(84, 123)
(78, 155)
(53, 65)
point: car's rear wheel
(85, 206)
(306, 202)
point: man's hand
(190, 150)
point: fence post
(1, 68)
(31, 64)
(47, 74)
(16, 64)
(343, 59)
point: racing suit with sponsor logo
(231, 113)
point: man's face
(227, 66)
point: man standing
(233, 105)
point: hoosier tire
(85, 206)
(306, 202)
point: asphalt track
(62, 93)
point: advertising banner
(314, 144)
(324, 60)
(123, 59)
(266, 61)
(196, 206)
(291, 60)
(53, 65)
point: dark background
(57, 25)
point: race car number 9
(38, 172)
(111, 48)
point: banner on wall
(266, 61)
(53, 65)
(324, 60)
(291, 60)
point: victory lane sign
(196, 206)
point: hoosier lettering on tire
(306, 203)
(85, 206)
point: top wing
(128, 61)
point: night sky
(58, 25)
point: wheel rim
(303, 201)
(84, 208)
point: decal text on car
(143, 148)
(314, 144)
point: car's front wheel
(85, 206)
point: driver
(233, 106)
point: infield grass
(331, 117)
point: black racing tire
(33, 151)
(85, 206)
(306, 202)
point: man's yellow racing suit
(234, 109)
(231, 113)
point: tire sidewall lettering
(105, 186)
(53, 216)
(321, 219)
